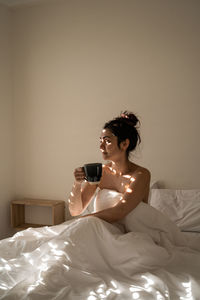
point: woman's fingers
(79, 174)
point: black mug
(93, 172)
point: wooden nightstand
(18, 212)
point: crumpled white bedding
(88, 258)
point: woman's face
(109, 146)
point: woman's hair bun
(124, 127)
(130, 117)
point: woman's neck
(121, 167)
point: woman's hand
(81, 194)
(79, 174)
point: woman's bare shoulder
(137, 170)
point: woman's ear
(124, 144)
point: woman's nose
(102, 145)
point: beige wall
(79, 63)
(6, 124)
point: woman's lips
(103, 152)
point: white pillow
(181, 206)
(154, 185)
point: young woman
(119, 137)
(94, 256)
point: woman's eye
(108, 142)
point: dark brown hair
(125, 127)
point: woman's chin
(105, 156)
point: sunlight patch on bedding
(113, 284)
(147, 287)
(135, 295)
(26, 254)
(66, 267)
(43, 267)
(11, 240)
(30, 288)
(92, 293)
(186, 284)
(159, 296)
(166, 294)
(117, 291)
(13, 259)
(3, 286)
(57, 252)
(92, 297)
(33, 286)
(149, 281)
(5, 265)
(135, 291)
(188, 290)
(51, 230)
(19, 234)
(57, 258)
(85, 272)
(45, 258)
(31, 262)
(102, 292)
(37, 234)
(149, 284)
(101, 296)
(54, 246)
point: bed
(145, 256)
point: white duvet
(88, 258)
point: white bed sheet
(192, 234)
(91, 259)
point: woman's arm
(81, 193)
(133, 195)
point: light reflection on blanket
(91, 259)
